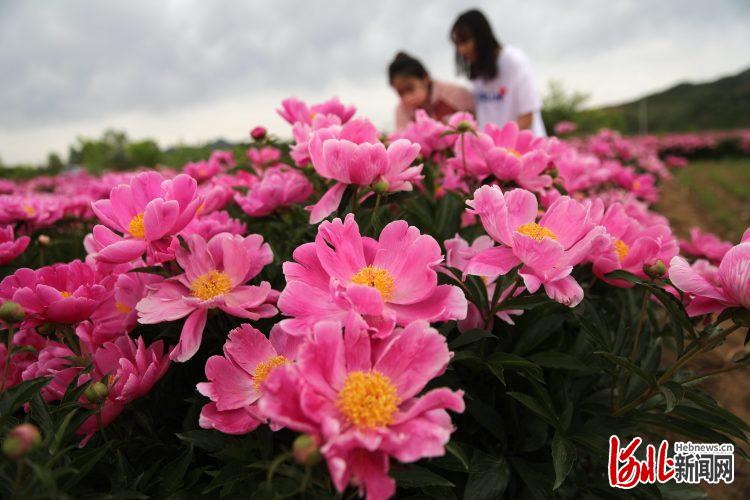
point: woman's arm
(525, 120)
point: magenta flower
(385, 282)
(235, 379)
(293, 110)
(633, 245)
(202, 170)
(564, 237)
(129, 369)
(705, 245)
(427, 132)
(212, 224)
(261, 158)
(148, 212)
(336, 157)
(358, 398)
(278, 187)
(61, 293)
(258, 133)
(215, 275)
(710, 290)
(55, 361)
(10, 248)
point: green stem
(639, 328)
(6, 372)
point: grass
(711, 194)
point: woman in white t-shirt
(501, 75)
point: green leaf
(536, 406)
(501, 361)
(488, 476)
(629, 366)
(563, 457)
(454, 449)
(414, 476)
(469, 337)
(559, 361)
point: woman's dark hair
(472, 24)
(405, 65)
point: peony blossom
(278, 187)
(129, 369)
(547, 250)
(215, 275)
(385, 282)
(710, 289)
(10, 248)
(148, 212)
(359, 398)
(261, 158)
(235, 379)
(61, 293)
(705, 245)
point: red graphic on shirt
(501, 91)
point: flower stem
(6, 371)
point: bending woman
(417, 90)
(501, 75)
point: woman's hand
(524, 121)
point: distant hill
(717, 105)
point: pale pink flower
(278, 187)
(359, 398)
(705, 245)
(385, 282)
(215, 275)
(235, 378)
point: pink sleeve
(457, 96)
(403, 116)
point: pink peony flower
(565, 236)
(427, 132)
(56, 361)
(391, 281)
(278, 187)
(61, 293)
(712, 290)
(458, 254)
(261, 158)
(336, 157)
(258, 133)
(565, 127)
(235, 379)
(293, 110)
(202, 170)
(129, 369)
(705, 245)
(212, 224)
(148, 212)
(215, 275)
(358, 397)
(633, 246)
(10, 248)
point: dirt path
(729, 389)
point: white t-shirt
(510, 94)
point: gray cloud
(94, 62)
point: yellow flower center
(535, 231)
(30, 211)
(514, 152)
(368, 399)
(264, 369)
(313, 114)
(135, 228)
(66, 294)
(622, 249)
(636, 185)
(376, 277)
(209, 285)
(123, 308)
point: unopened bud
(464, 126)
(96, 392)
(381, 186)
(44, 240)
(21, 440)
(553, 173)
(11, 312)
(305, 450)
(655, 270)
(258, 133)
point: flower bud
(464, 126)
(96, 392)
(11, 312)
(305, 450)
(258, 133)
(21, 440)
(655, 270)
(381, 186)
(44, 240)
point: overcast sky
(196, 70)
